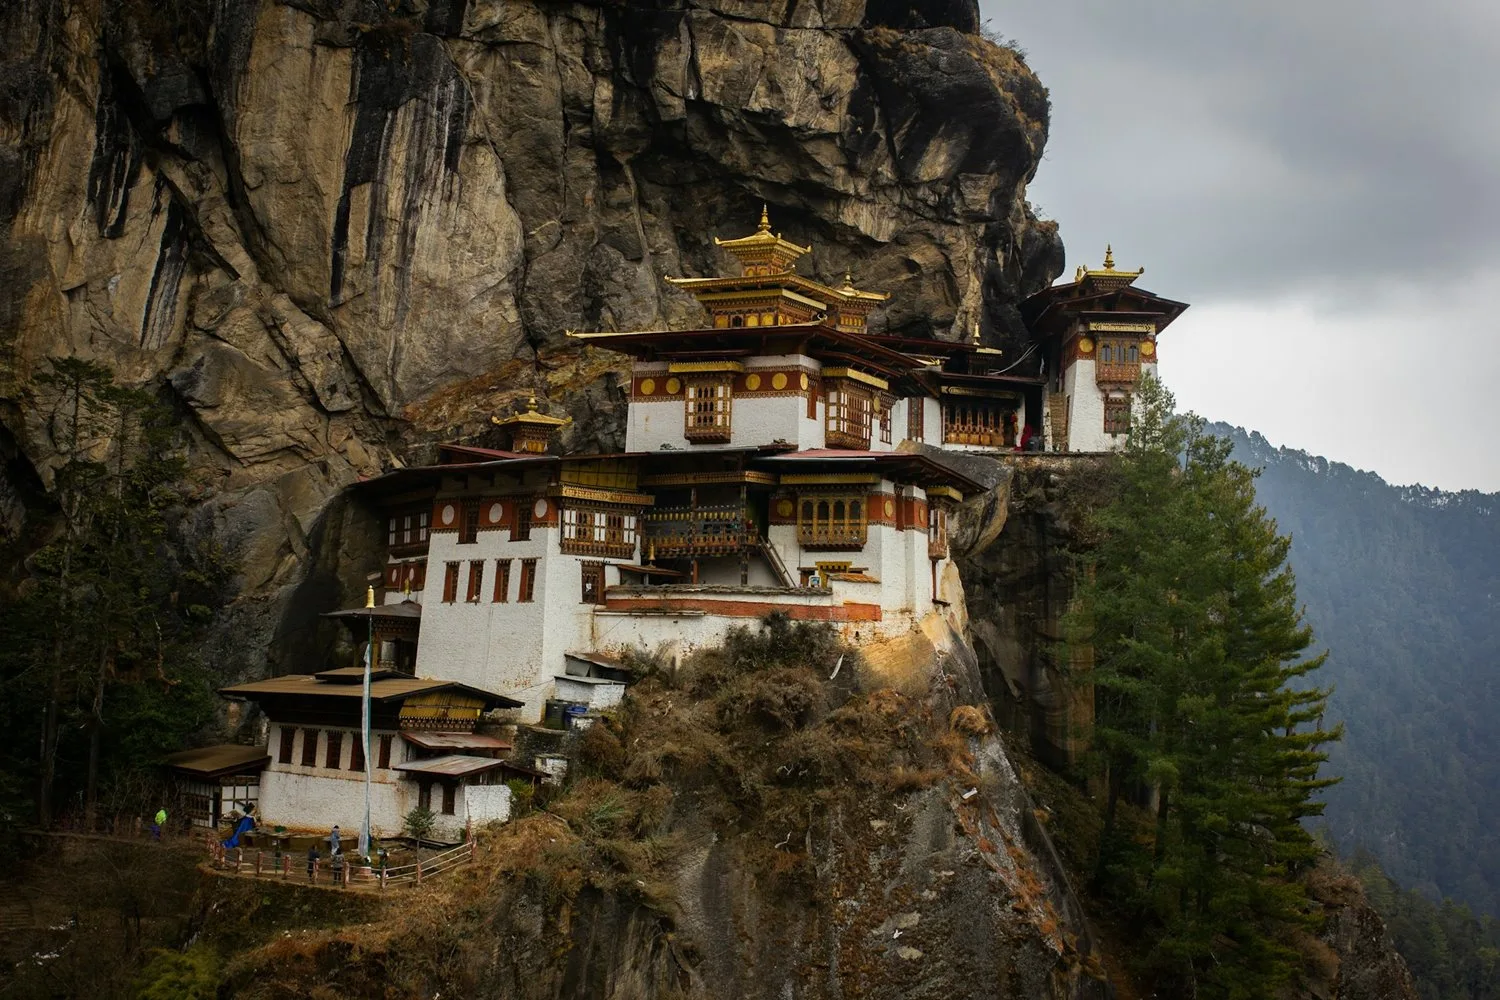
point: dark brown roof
(918, 466)
(385, 689)
(215, 761)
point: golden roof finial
(848, 278)
(976, 331)
(369, 597)
(765, 220)
(1109, 257)
(531, 404)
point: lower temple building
(779, 458)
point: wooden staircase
(777, 565)
(1057, 408)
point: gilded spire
(369, 597)
(1109, 257)
(765, 220)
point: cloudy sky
(1321, 180)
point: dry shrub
(969, 720)
(953, 750)
(780, 698)
(902, 779)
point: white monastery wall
(1085, 408)
(754, 420)
(483, 803)
(299, 797)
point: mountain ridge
(1401, 584)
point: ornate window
(988, 423)
(502, 581)
(885, 421)
(288, 734)
(708, 410)
(847, 417)
(1117, 415)
(356, 752)
(1119, 361)
(914, 417)
(528, 581)
(937, 531)
(593, 583)
(598, 531)
(450, 583)
(831, 522)
(476, 581)
(520, 531)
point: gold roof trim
(763, 239)
(1108, 271)
(699, 367)
(856, 375)
(531, 416)
(947, 492)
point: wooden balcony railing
(675, 532)
(846, 439)
(1116, 372)
(832, 536)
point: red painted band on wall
(848, 612)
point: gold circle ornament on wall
(784, 508)
(803, 379)
(778, 381)
(890, 508)
(648, 386)
(1147, 349)
(1085, 346)
(752, 382)
(673, 386)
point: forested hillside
(1402, 585)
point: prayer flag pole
(364, 829)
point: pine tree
(1200, 710)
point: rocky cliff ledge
(331, 230)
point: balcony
(688, 532)
(831, 537)
(1117, 372)
(847, 439)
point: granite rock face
(332, 231)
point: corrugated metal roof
(451, 766)
(453, 741)
(225, 758)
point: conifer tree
(1202, 713)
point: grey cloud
(1268, 147)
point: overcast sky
(1321, 180)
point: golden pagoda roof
(764, 247)
(531, 416)
(1107, 275)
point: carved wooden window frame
(707, 409)
(832, 521)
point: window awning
(451, 766)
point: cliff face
(331, 231)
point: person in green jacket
(158, 822)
